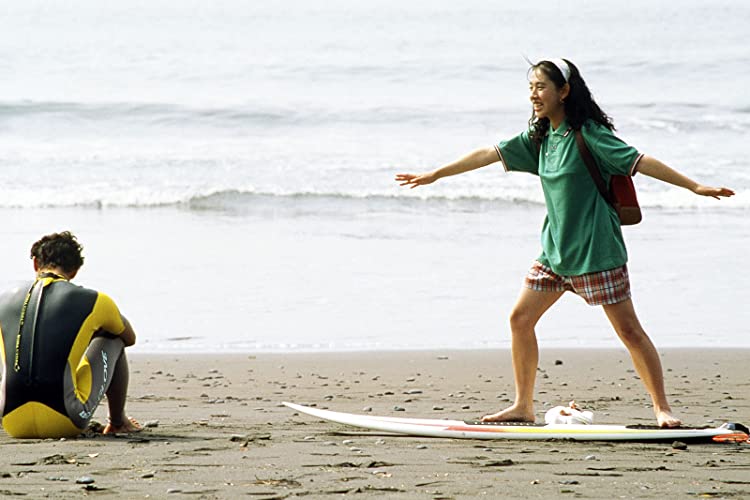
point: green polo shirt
(581, 232)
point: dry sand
(219, 431)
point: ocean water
(229, 165)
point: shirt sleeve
(108, 315)
(519, 154)
(611, 153)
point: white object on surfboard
(570, 414)
(509, 430)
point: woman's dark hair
(60, 250)
(579, 105)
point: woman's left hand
(713, 192)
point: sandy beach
(217, 429)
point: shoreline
(217, 429)
(337, 281)
(406, 350)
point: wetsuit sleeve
(519, 154)
(612, 154)
(2, 350)
(108, 316)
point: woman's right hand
(413, 180)
(473, 160)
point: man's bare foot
(129, 425)
(666, 419)
(511, 414)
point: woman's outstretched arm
(654, 168)
(472, 161)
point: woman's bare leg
(645, 358)
(529, 308)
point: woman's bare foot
(666, 419)
(129, 425)
(512, 414)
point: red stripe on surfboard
(479, 428)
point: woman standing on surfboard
(583, 250)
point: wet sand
(216, 429)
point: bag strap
(593, 169)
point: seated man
(62, 349)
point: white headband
(562, 66)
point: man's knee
(111, 345)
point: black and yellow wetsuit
(53, 374)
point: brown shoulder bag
(621, 193)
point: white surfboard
(459, 429)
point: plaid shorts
(597, 289)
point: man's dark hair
(60, 250)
